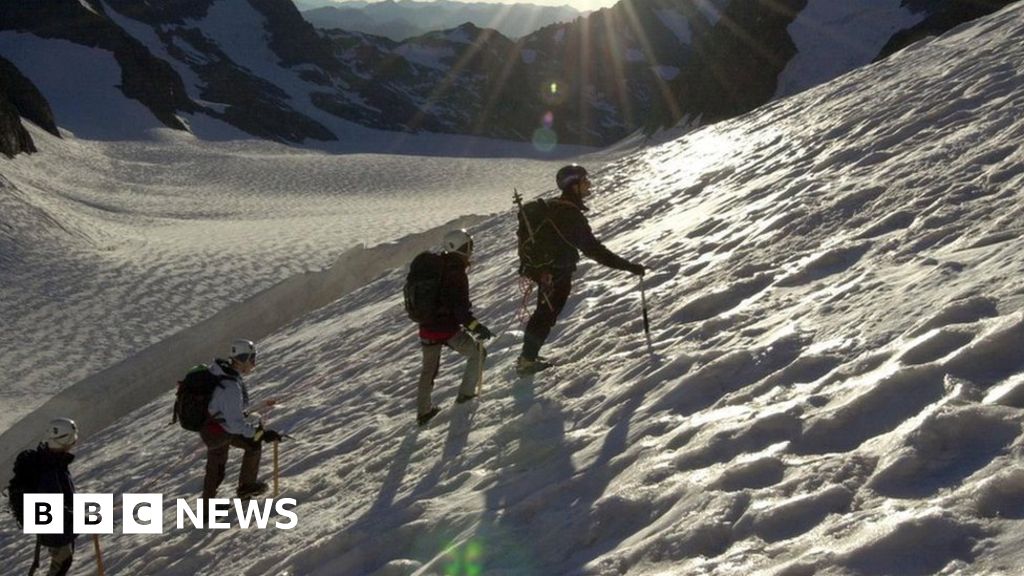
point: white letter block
(93, 514)
(142, 514)
(44, 514)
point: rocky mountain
(642, 64)
(403, 19)
(20, 98)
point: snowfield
(835, 383)
(112, 246)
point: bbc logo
(144, 514)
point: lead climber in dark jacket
(563, 229)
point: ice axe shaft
(35, 558)
(480, 369)
(276, 469)
(643, 303)
(100, 570)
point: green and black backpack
(540, 244)
(192, 402)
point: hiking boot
(461, 398)
(422, 419)
(525, 366)
(250, 491)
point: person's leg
(249, 472)
(216, 461)
(431, 362)
(60, 559)
(475, 354)
(551, 298)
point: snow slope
(112, 246)
(835, 385)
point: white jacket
(229, 405)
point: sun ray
(616, 53)
(451, 76)
(728, 79)
(583, 80)
(664, 91)
(497, 89)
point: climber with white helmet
(231, 424)
(44, 470)
(437, 298)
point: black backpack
(540, 244)
(422, 290)
(192, 402)
(26, 475)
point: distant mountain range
(640, 65)
(304, 5)
(407, 18)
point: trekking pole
(647, 324)
(99, 555)
(276, 475)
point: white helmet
(62, 433)
(458, 241)
(242, 348)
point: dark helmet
(569, 175)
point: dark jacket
(454, 309)
(53, 477)
(566, 230)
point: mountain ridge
(640, 65)
(402, 20)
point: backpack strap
(549, 220)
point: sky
(832, 385)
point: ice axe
(100, 570)
(647, 323)
(35, 558)
(480, 372)
(276, 470)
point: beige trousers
(60, 559)
(462, 343)
(217, 446)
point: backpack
(422, 290)
(26, 475)
(192, 401)
(540, 244)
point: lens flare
(466, 560)
(553, 93)
(545, 139)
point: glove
(479, 330)
(271, 436)
(637, 269)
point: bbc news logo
(144, 514)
